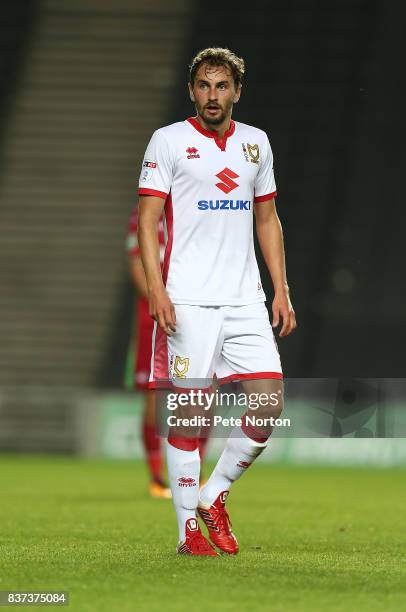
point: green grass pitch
(310, 538)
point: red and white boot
(195, 542)
(218, 524)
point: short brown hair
(217, 56)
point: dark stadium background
(83, 85)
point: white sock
(183, 472)
(240, 451)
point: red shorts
(143, 344)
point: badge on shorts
(180, 366)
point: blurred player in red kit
(143, 329)
(142, 346)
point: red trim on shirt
(152, 192)
(266, 197)
(169, 229)
(252, 376)
(221, 143)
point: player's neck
(220, 129)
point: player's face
(214, 93)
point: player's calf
(239, 453)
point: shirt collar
(221, 143)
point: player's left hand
(282, 307)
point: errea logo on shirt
(192, 153)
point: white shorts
(226, 342)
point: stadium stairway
(97, 79)
(96, 82)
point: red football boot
(219, 526)
(195, 542)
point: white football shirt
(209, 187)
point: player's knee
(185, 421)
(272, 401)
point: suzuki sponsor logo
(226, 177)
(224, 205)
(185, 481)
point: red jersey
(133, 248)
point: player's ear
(191, 92)
(237, 93)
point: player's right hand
(162, 310)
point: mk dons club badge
(251, 152)
(180, 366)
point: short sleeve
(265, 187)
(132, 239)
(157, 168)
